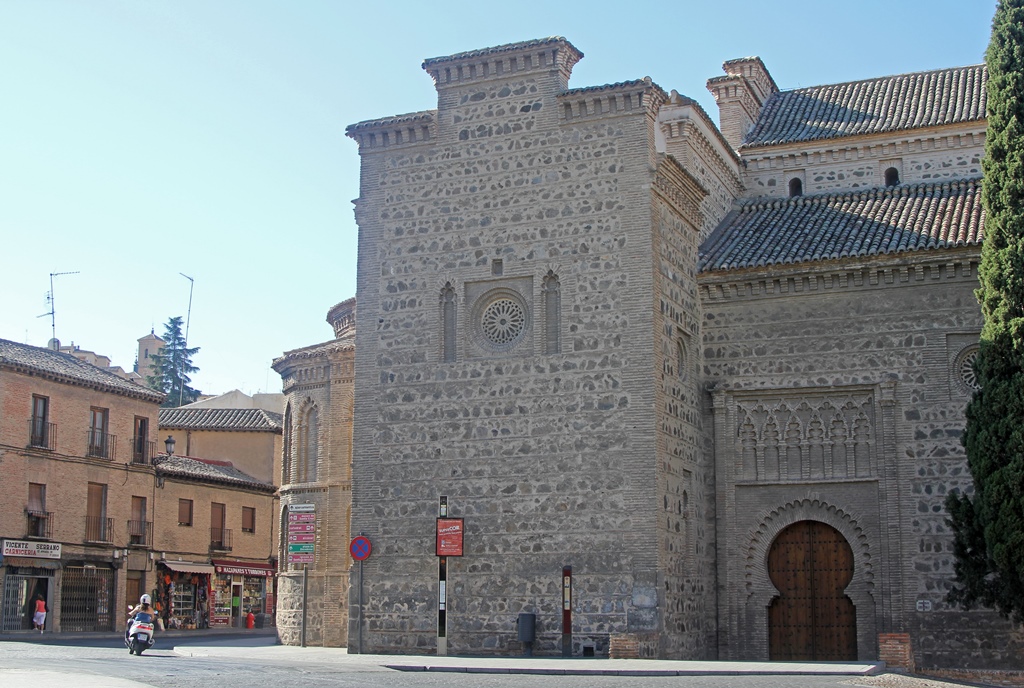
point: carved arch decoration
(449, 308)
(759, 590)
(307, 456)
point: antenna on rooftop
(188, 319)
(53, 310)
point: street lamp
(169, 445)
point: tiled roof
(905, 101)
(832, 226)
(250, 420)
(63, 367)
(210, 471)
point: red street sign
(301, 527)
(302, 537)
(449, 537)
(360, 547)
(301, 518)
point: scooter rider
(143, 613)
(145, 608)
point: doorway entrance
(812, 619)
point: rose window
(503, 321)
(966, 370)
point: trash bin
(527, 625)
(260, 620)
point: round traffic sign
(360, 547)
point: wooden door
(811, 563)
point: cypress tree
(988, 525)
(173, 364)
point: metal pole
(188, 320)
(305, 587)
(360, 606)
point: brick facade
(116, 545)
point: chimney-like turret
(740, 95)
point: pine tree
(173, 365)
(988, 526)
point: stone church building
(694, 390)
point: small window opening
(796, 187)
(892, 177)
(496, 267)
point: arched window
(892, 176)
(286, 452)
(448, 323)
(309, 445)
(796, 187)
(552, 314)
(681, 362)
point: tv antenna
(188, 319)
(53, 310)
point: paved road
(246, 664)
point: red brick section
(894, 649)
(623, 646)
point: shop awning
(188, 567)
(35, 563)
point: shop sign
(37, 550)
(243, 571)
(449, 537)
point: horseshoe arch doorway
(812, 619)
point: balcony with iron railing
(98, 529)
(39, 525)
(143, 450)
(220, 539)
(101, 445)
(140, 533)
(42, 435)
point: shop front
(241, 588)
(29, 571)
(182, 594)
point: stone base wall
(988, 678)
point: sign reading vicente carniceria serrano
(37, 550)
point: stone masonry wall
(894, 334)
(549, 455)
(951, 152)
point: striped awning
(187, 567)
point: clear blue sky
(140, 139)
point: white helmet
(145, 599)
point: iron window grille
(98, 529)
(101, 445)
(39, 524)
(140, 533)
(41, 434)
(220, 539)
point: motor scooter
(139, 636)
